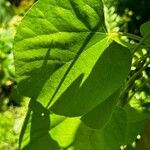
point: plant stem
(141, 42)
(138, 89)
(124, 94)
(131, 36)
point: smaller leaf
(111, 137)
(145, 31)
(145, 28)
(136, 123)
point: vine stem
(143, 58)
(132, 36)
(141, 42)
(143, 84)
(129, 84)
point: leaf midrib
(87, 40)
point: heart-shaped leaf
(65, 59)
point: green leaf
(50, 39)
(145, 31)
(145, 28)
(103, 139)
(64, 44)
(57, 132)
(135, 124)
(122, 127)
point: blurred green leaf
(145, 28)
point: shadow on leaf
(38, 129)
